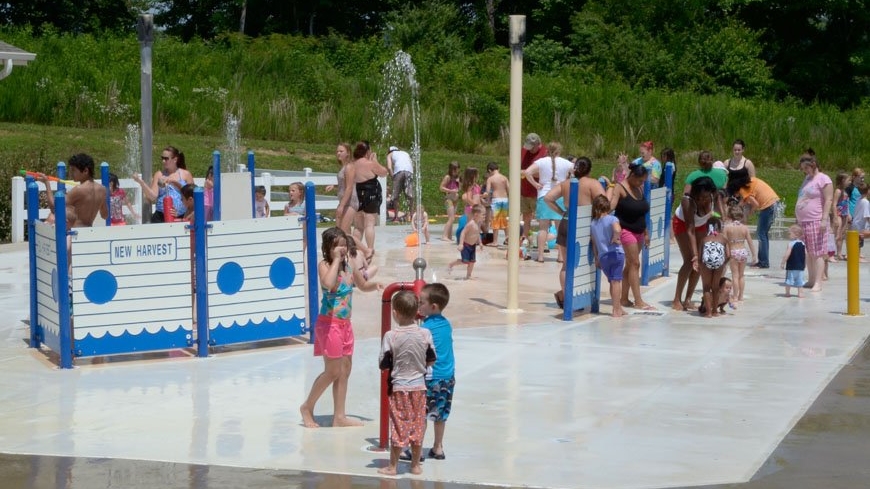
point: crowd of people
(709, 227)
(721, 196)
(714, 204)
(544, 190)
(717, 194)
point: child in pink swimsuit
(333, 332)
(742, 248)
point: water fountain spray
(133, 151)
(399, 74)
(234, 152)
(133, 155)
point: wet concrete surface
(827, 448)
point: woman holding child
(470, 197)
(689, 226)
(167, 182)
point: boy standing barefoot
(469, 240)
(407, 350)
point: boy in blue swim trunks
(469, 240)
(439, 385)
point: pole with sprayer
(145, 28)
(517, 38)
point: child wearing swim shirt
(407, 351)
(795, 261)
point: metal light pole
(146, 39)
(517, 38)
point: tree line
(802, 50)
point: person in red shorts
(407, 350)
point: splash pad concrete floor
(650, 400)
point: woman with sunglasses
(168, 181)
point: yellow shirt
(761, 191)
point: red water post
(168, 209)
(386, 324)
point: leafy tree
(818, 50)
(209, 18)
(808, 49)
(83, 16)
(693, 46)
(729, 60)
(314, 17)
(543, 55)
(433, 32)
(198, 18)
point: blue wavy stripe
(50, 338)
(657, 268)
(581, 301)
(250, 331)
(130, 343)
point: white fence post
(266, 181)
(19, 214)
(137, 202)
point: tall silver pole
(517, 38)
(146, 39)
